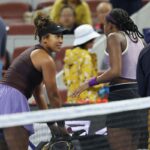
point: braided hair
(123, 22)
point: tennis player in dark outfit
(25, 77)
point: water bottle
(103, 92)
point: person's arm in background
(55, 11)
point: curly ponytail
(41, 23)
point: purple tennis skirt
(13, 101)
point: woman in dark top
(25, 77)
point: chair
(18, 50)
(42, 5)
(14, 10)
(21, 29)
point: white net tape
(73, 112)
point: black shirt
(143, 72)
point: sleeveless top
(129, 58)
(22, 75)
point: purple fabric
(13, 101)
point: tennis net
(95, 120)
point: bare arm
(49, 79)
(39, 97)
(45, 64)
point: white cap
(83, 34)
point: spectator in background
(80, 65)
(102, 10)
(67, 19)
(3, 38)
(81, 8)
(131, 6)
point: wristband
(93, 82)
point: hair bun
(41, 21)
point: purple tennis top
(129, 58)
